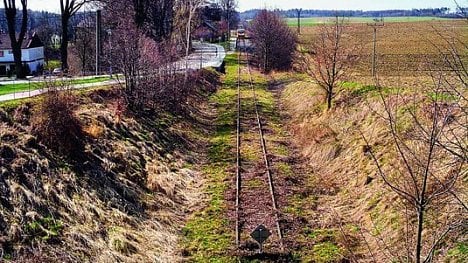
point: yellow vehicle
(241, 33)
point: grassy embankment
(21, 87)
(351, 210)
(124, 199)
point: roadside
(27, 90)
(205, 55)
(124, 199)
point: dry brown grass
(125, 201)
(350, 191)
(94, 130)
(55, 124)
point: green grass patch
(254, 183)
(208, 235)
(52, 64)
(22, 87)
(284, 169)
(11, 105)
(442, 96)
(314, 21)
(459, 253)
(360, 90)
(327, 252)
(45, 228)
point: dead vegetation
(364, 219)
(124, 199)
(54, 123)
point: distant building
(32, 54)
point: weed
(254, 183)
(459, 253)
(284, 169)
(327, 252)
(44, 229)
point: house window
(2, 54)
(10, 52)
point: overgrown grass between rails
(21, 87)
(208, 235)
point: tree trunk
(64, 42)
(10, 14)
(419, 233)
(329, 100)
(20, 74)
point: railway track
(255, 192)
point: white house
(32, 54)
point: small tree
(46, 31)
(16, 43)
(84, 46)
(190, 7)
(327, 60)
(274, 42)
(423, 173)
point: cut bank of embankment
(124, 199)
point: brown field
(409, 48)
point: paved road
(205, 55)
(32, 93)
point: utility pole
(377, 23)
(299, 11)
(98, 41)
(109, 54)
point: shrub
(55, 124)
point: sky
(53, 5)
(46, 5)
(347, 4)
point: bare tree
(274, 42)
(68, 8)
(423, 173)
(328, 60)
(451, 51)
(84, 46)
(46, 30)
(229, 8)
(16, 43)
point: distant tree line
(435, 12)
(37, 19)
